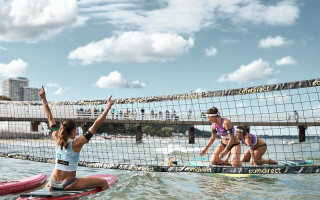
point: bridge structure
(267, 105)
(86, 120)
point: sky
(90, 49)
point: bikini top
(254, 139)
(222, 131)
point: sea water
(172, 185)
(159, 185)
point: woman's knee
(236, 163)
(245, 159)
(258, 161)
(101, 183)
(88, 182)
(257, 156)
(215, 162)
(105, 186)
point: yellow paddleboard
(238, 175)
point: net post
(302, 133)
(34, 126)
(139, 134)
(247, 128)
(191, 134)
(84, 127)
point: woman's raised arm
(46, 108)
(93, 129)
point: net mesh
(151, 133)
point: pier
(85, 121)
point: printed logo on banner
(316, 83)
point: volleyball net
(166, 133)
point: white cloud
(199, 90)
(50, 84)
(133, 46)
(14, 68)
(274, 42)
(272, 81)
(190, 16)
(3, 49)
(286, 61)
(275, 98)
(173, 15)
(137, 84)
(283, 13)
(228, 41)
(211, 51)
(257, 70)
(115, 79)
(33, 20)
(60, 91)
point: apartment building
(17, 89)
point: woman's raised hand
(110, 102)
(42, 93)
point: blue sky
(89, 49)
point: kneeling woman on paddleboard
(257, 147)
(68, 150)
(229, 142)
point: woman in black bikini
(229, 142)
(257, 147)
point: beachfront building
(17, 89)
(30, 94)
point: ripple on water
(176, 186)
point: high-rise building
(30, 94)
(17, 89)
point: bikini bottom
(60, 186)
(231, 145)
(260, 146)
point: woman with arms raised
(68, 151)
(229, 142)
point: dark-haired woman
(257, 147)
(68, 150)
(229, 142)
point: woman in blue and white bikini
(68, 150)
(257, 147)
(229, 142)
